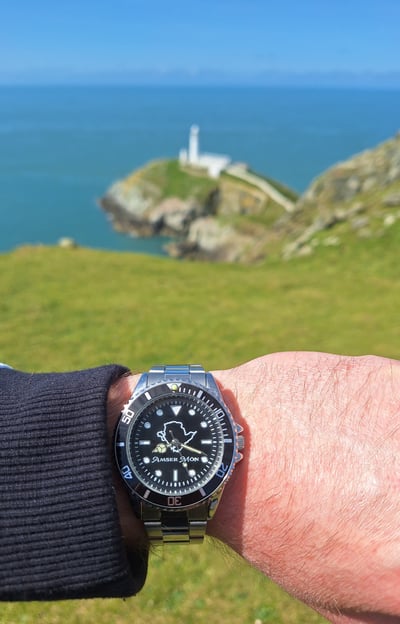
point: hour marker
(175, 475)
(146, 460)
(144, 442)
(192, 473)
(176, 409)
(147, 395)
(192, 412)
(159, 412)
(147, 425)
(203, 424)
(120, 443)
(204, 459)
(206, 441)
(158, 473)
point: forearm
(316, 503)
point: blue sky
(215, 41)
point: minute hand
(190, 448)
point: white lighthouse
(213, 164)
(194, 145)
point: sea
(61, 147)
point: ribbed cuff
(59, 529)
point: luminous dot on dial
(192, 412)
(203, 424)
(204, 459)
(158, 473)
(159, 412)
(146, 460)
(147, 425)
(192, 473)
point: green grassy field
(64, 309)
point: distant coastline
(205, 78)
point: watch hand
(180, 445)
(190, 448)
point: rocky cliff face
(359, 197)
(232, 220)
(207, 219)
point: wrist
(317, 508)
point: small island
(214, 209)
(210, 207)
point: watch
(176, 445)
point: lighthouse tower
(213, 164)
(194, 145)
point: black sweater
(59, 530)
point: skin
(315, 503)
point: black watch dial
(175, 444)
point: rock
(389, 220)
(210, 240)
(359, 222)
(368, 184)
(392, 200)
(331, 241)
(394, 174)
(173, 215)
(67, 243)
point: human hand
(315, 504)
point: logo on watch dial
(174, 436)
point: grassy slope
(61, 309)
(171, 180)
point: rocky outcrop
(141, 211)
(359, 196)
(205, 218)
(208, 239)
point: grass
(64, 309)
(173, 181)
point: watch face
(175, 444)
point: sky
(200, 42)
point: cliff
(356, 198)
(226, 219)
(243, 217)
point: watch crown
(240, 443)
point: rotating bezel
(136, 407)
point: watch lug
(142, 383)
(213, 502)
(212, 384)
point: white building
(213, 163)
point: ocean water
(61, 147)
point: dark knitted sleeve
(59, 530)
